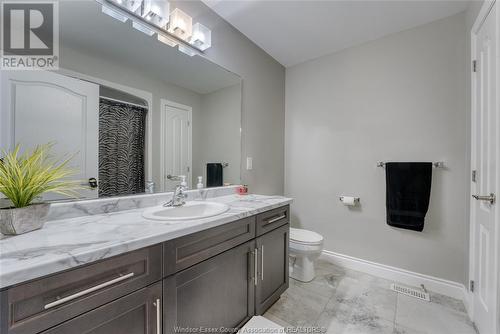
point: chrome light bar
(163, 35)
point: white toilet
(305, 248)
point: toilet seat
(305, 237)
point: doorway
(176, 143)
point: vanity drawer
(183, 252)
(272, 219)
(41, 304)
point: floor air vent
(415, 293)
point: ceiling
(295, 31)
(84, 28)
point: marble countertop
(68, 243)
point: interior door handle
(490, 198)
(93, 183)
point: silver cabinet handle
(87, 291)
(491, 198)
(270, 221)
(262, 262)
(157, 305)
(255, 264)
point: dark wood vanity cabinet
(136, 313)
(38, 305)
(272, 269)
(212, 294)
(219, 277)
(183, 252)
(228, 289)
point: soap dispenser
(183, 182)
(199, 185)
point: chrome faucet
(178, 198)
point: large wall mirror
(133, 110)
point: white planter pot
(15, 221)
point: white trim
(410, 278)
(469, 296)
(167, 103)
(147, 96)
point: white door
(176, 134)
(485, 154)
(39, 107)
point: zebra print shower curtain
(121, 148)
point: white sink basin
(189, 211)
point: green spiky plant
(24, 177)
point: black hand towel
(408, 187)
(214, 175)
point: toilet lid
(305, 236)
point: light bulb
(202, 37)
(180, 24)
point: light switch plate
(249, 163)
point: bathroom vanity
(212, 273)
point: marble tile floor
(346, 301)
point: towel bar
(437, 164)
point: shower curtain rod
(120, 101)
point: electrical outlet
(249, 163)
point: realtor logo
(30, 35)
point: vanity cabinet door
(272, 278)
(137, 313)
(216, 293)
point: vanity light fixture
(186, 50)
(202, 37)
(167, 40)
(133, 6)
(181, 24)
(142, 28)
(114, 14)
(151, 17)
(156, 12)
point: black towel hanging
(214, 175)
(408, 189)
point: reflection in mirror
(132, 109)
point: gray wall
(399, 98)
(217, 135)
(263, 100)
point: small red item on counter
(242, 190)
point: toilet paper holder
(356, 199)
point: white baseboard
(468, 299)
(434, 284)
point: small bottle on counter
(199, 185)
(183, 182)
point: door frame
(485, 10)
(146, 96)
(164, 103)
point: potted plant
(23, 179)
